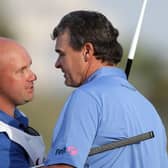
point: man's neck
(7, 108)
(94, 66)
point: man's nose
(57, 64)
(33, 76)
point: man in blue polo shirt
(16, 88)
(105, 107)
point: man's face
(16, 78)
(70, 61)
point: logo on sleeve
(60, 151)
(70, 149)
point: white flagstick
(132, 50)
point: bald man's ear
(88, 51)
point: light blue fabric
(13, 155)
(104, 109)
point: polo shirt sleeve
(75, 130)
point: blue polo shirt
(12, 155)
(105, 109)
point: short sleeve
(75, 130)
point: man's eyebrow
(57, 50)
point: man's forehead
(62, 41)
(13, 54)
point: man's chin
(70, 84)
(26, 101)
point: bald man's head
(16, 77)
(10, 49)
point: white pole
(137, 32)
(132, 50)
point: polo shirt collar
(19, 121)
(107, 71)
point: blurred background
(31, 23)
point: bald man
(16, 88)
